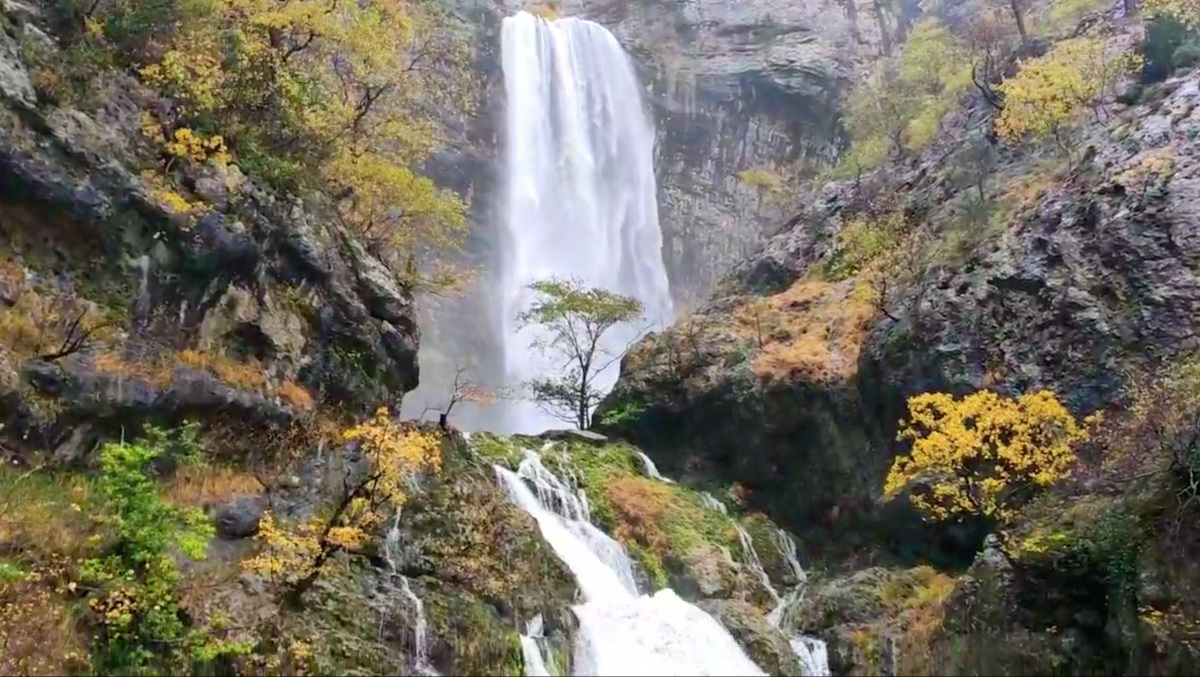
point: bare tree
(462, 389)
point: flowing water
(580, 195)
(811, 652)
(651, 469)
(621, 632)
(391, 548)
(537, 662)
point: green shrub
(132, 586)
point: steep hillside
(985, 239)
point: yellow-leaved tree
(295, 557)
(983, 454)
(1052, 91)
(338, 101)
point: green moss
(497, 449)
(663, 522)
(479, 641)
(651, 563)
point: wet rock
(764, 643)
(239, 518)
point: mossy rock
(468, 636)
(764, 644)
(462, 530)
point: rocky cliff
(1074, 273)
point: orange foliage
(158, 369)
(200, 486)
(814, 329)
(296, 395)
(241, 375)
(642, 505)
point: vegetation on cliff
(980, 272)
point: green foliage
(133, 586)
(10, 572)
(576, 318)
(1169, 45)
(861, 240)
(1095, 537)
(622, 414)
(898, 107)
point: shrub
(294, 558)
(1052, 91)
(132, 588)
(983, 454)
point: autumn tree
(339, 101)
(898, 107)
(988, 40)
(295, 557)
(1051, 92)
(983, 454)
(576, 323)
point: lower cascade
(621, 632)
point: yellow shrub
(983, 452)
(1052, 91)
(1184, 11)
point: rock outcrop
(274, 306)
(1090, 275)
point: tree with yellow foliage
(1053, 91)
(340, 101)
(983, 454)
(296, 557)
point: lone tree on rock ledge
(575, 318)
(983, 454)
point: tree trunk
(884, 35)
(1019, 16)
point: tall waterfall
(580, 192)
(620, 631)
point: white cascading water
(581, 196)
(810, 651)
(652, 469)
(620, 631)
(391, 548)
(537, 662)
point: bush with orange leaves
(295, 557)
(984, 454)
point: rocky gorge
(260, 327)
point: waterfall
(620, 631)
(580, 193)
(537, 664)
(651, 469)
(712, 503)
(810, 651)
(755, 564)
(391, 545)
(813, 655)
